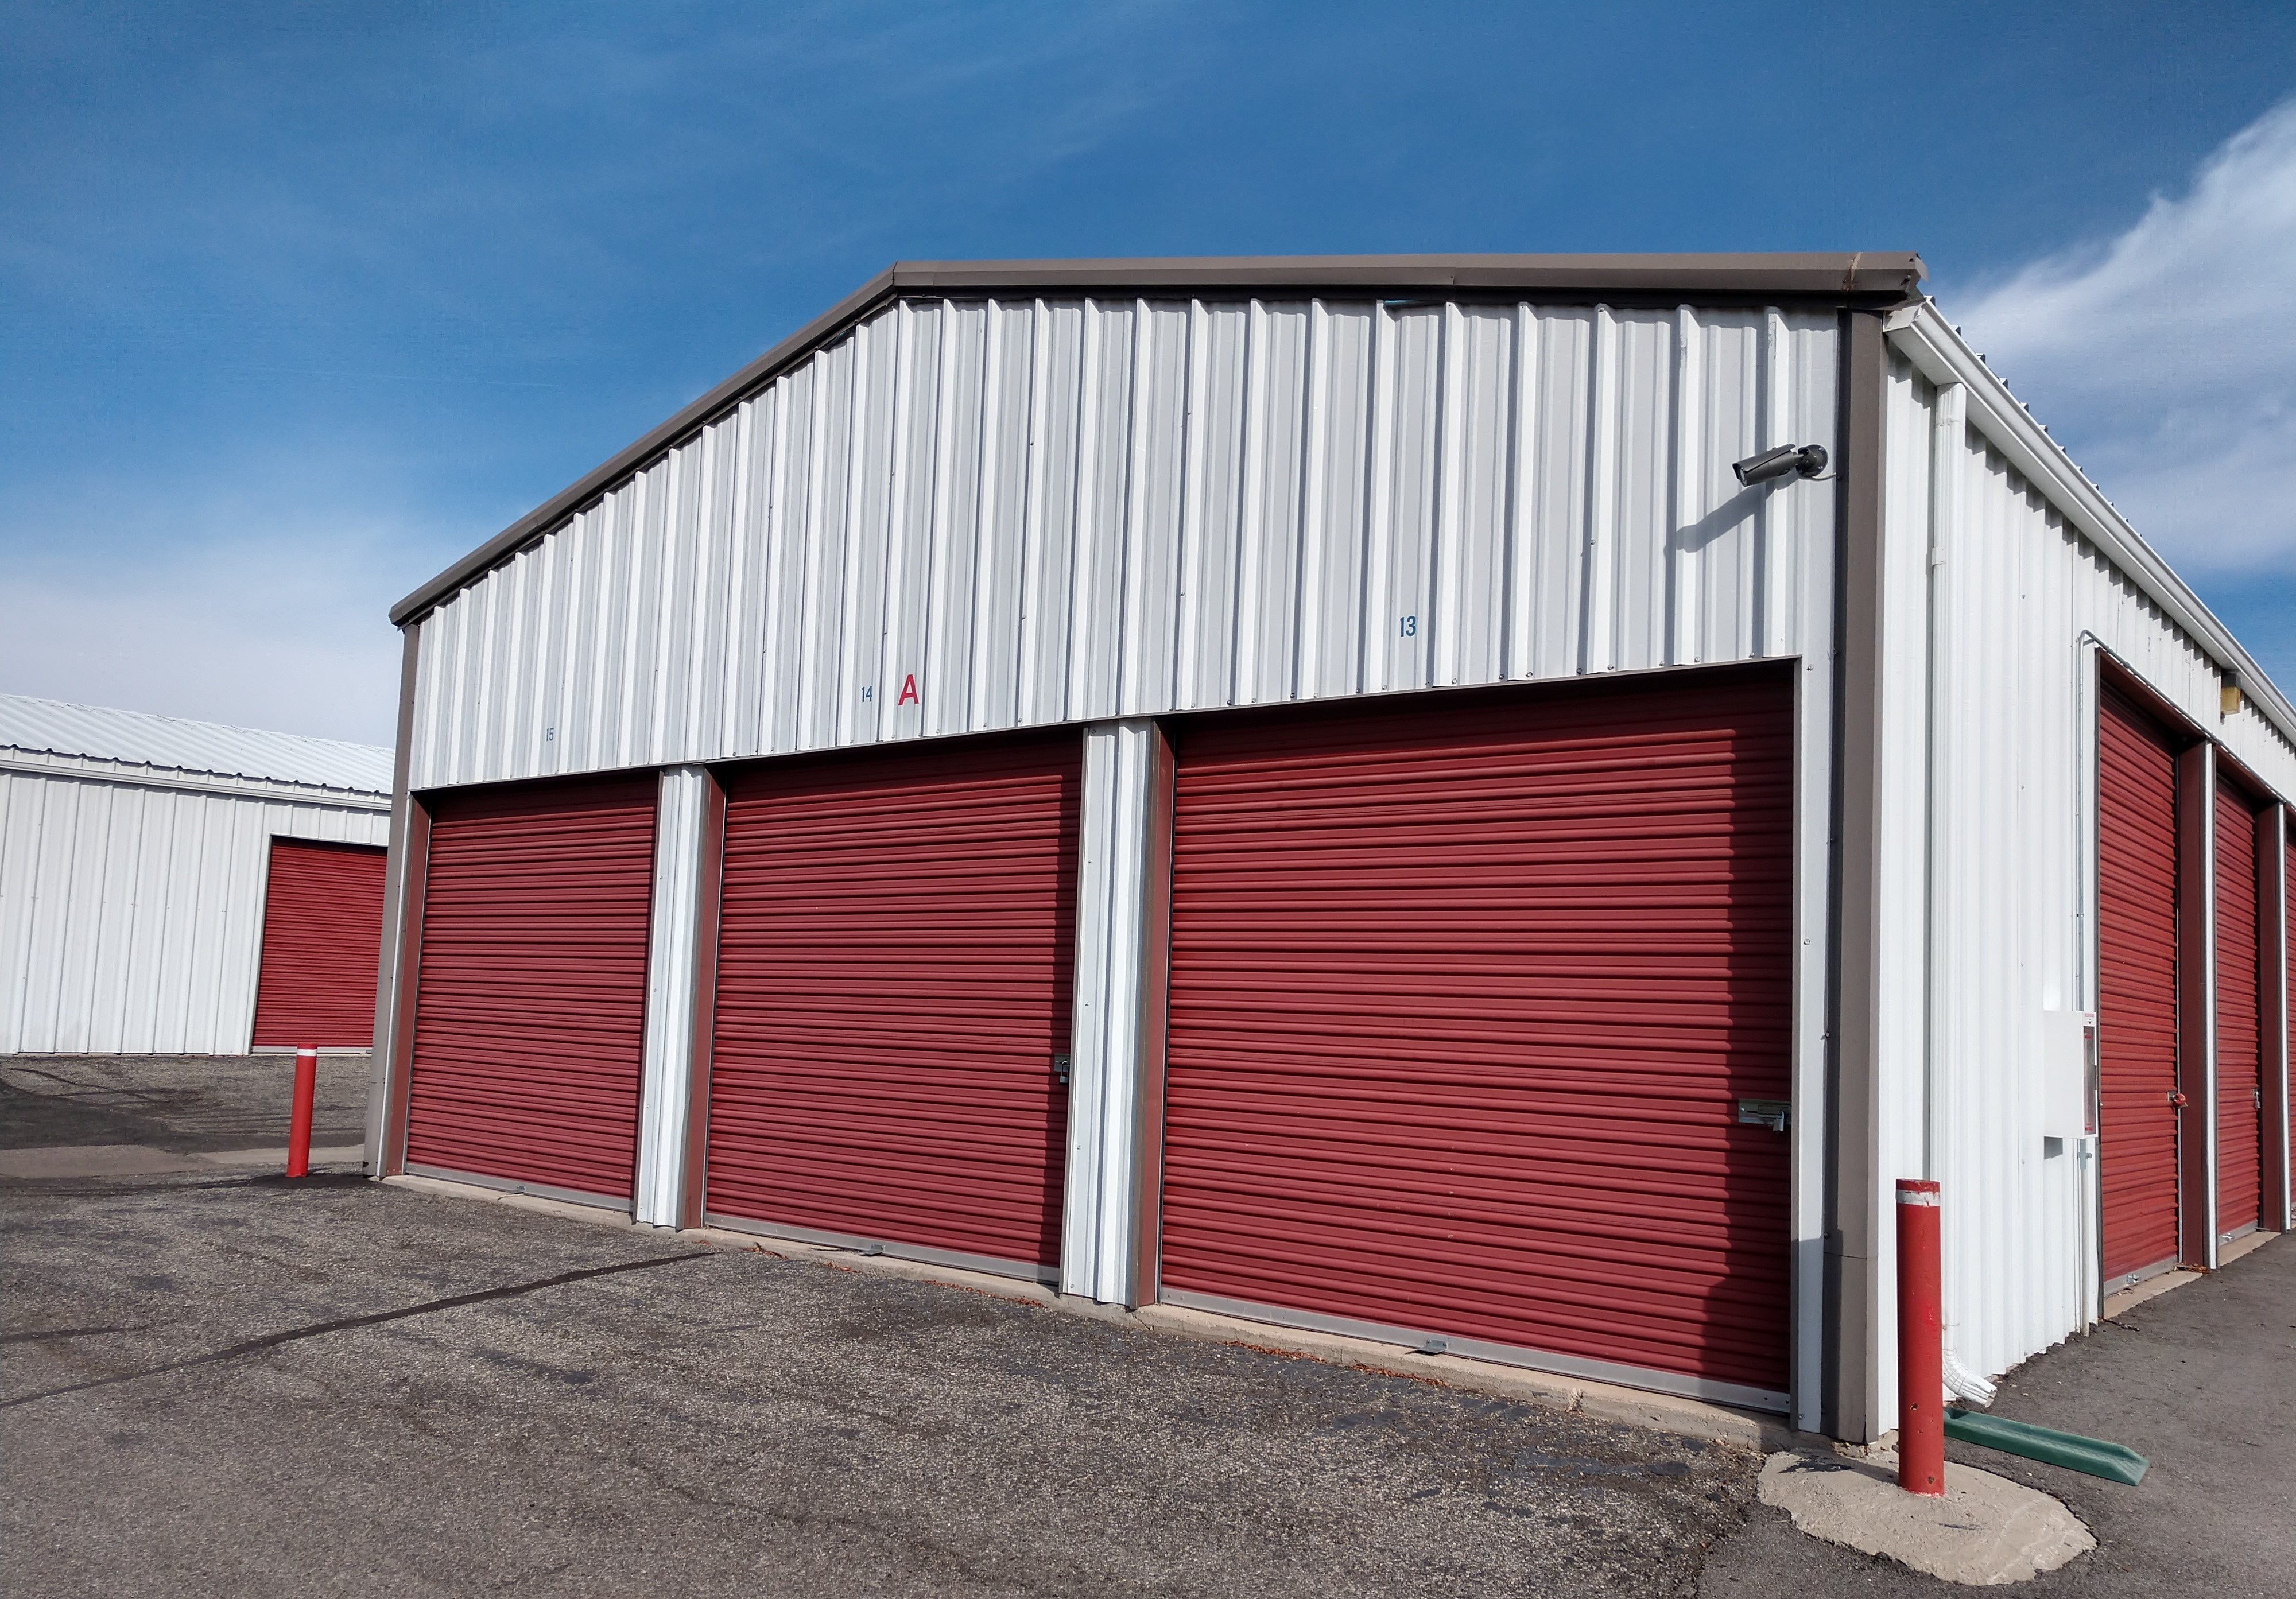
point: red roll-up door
(529, 1001)
(1465, 1001)
(322, 942)
(2240, 1030)
(2136, 989)
(894, 963)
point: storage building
(170, 887)
(1497, 799)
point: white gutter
(175, 780)
(1924, 337)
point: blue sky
(298, 303)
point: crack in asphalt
(8, 1338)
(272, 1340)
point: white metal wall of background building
(131, 894)
(1050, 510)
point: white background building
(137, 855)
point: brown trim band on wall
(389, 964)
(709, 900)
(391, 1152)
(1848, 1400)
(2196, 1007)
(1144, 1281)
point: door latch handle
(2178, 1099)
(1060, 1069)
(1772, 1113)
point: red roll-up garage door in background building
(530, 1000)
(2240, 1033)
(322, 942)
(894, 964)
(1465, 1001)
(2136, 989)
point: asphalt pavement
(224, 1384)
(237, 1385)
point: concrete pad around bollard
(1983, 1530)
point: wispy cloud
(2166, 357)
(243, 598)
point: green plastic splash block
(2115, 1462)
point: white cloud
(241, 597)
(2165, 358)
(249, 636)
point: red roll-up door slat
(322, 943)
(1463, 1002)
(2136, 988)
(529, 1003)
(894, 965)
(2240, 1030)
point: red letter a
(908, 693)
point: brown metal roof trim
(1872, 279)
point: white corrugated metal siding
(1987, 807)
(965, 515)
(131, 915)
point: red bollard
(299, 1125)
(1921, 1342)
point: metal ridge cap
(1922, 334)
(1828, 272)
(1820, 272)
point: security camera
(1788, 460)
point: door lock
(1060, 1069)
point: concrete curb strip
(1983, 1531)
(142, 1160)
(339, 1154)
(95, 1161)
(1659, 1412)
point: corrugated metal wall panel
(322, 944)
(1463, 1001)
(131, 915)
(1900, 782)
(1035, 511)
(2136, 1000)
(2240, 1071)
(895, 959)
(529, 995)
